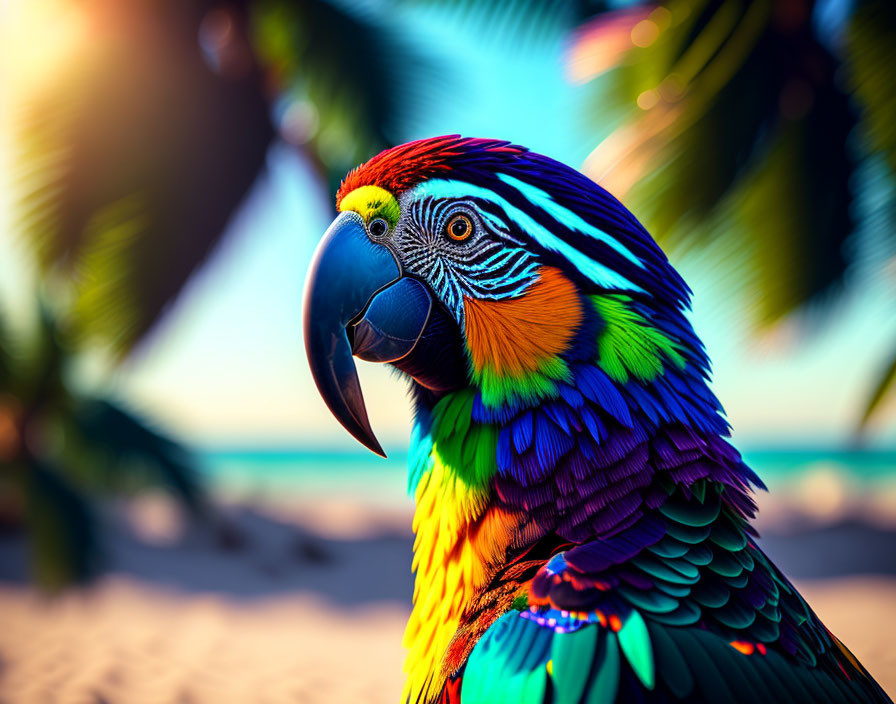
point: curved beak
(356, 302)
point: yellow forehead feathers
(372, 202)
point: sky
(227, 365)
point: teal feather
(727, 535)
(699, 555)
(688, 534)
(672, 669)
(676, 590)
(572, 655)
(735, 615)
(684, 568)
(605, 682)
(687, 614)
(534, 687)
(725, 565)
(711, 593)
(650, 601)
(744, 558)
(661, 570)
(738, 581)
(669, 547)
(692, 513)
(634, 640)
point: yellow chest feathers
(460, 542)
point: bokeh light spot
(645, 33)
(299, 121)
(648, 99)
(661, 17)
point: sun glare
(38, 38)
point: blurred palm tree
(738, 126)
(135, 156)
(138, 128)
(58, 446)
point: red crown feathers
(406, 165)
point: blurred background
(181, 519)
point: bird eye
(378, 227)
(459, 228)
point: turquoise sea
(362, 475)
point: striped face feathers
(461, 246)
(461, 249)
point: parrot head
(477, 263)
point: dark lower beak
(356, 302)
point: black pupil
(459, 227)
(378, 228)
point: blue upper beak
(357, 303)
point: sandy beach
(299, 605)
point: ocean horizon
(313, 471)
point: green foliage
(130, 164)
(61, 527)
(628, 345)
(60, 448)
(121, 205)
(119, 440)
(871, 56)
(127, 166)
(347, 67)
(713, 101)
(737, 132)
(5, 355)
(882, 389)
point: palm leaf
(349, 69)
(870, 56)
(61, 527)
(735, 127)
(5, 356)
(130, 454)
(137, 119)
(882, 389)
(132, 161)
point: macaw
(582, 527)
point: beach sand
(276, 606)
(126, 642)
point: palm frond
(61, 527)
(132, 161)
(138, 118)
(884, 387)
(793, 211)
(735, 126)
(6, 354)
(343, 70)
(871, 56)
(131, 454)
